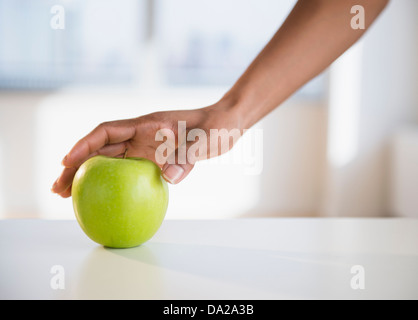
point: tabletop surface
(270, 258)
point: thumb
(174, 173)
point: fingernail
(173, 173)
(54, 186)
(64, 160)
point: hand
(140, 137)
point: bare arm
(315, 33)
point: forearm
(315, 34)
(312, 37)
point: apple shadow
(285, 274)
(146, 272)
(264, 273)
(102, 276)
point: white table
(215, 259)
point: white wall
(37, 130)
(404, 173)
(294, 160)
(17, 138)
(300, 175)
(388, 100)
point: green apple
(119, 203)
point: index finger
(104, 134)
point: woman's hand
(314, 34)
(144, 137)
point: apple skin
(119, 203)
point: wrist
(231, 112)
(245, 104)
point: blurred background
(346, 144)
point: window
(98, 45)
(205, 42)
(212, 42)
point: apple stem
(126, 152)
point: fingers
(109, 139)
(64, 181)
(62, 185)
(105, 134)
(113, 138)
(111, 150)
(67, 192)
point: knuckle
(104, 124)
